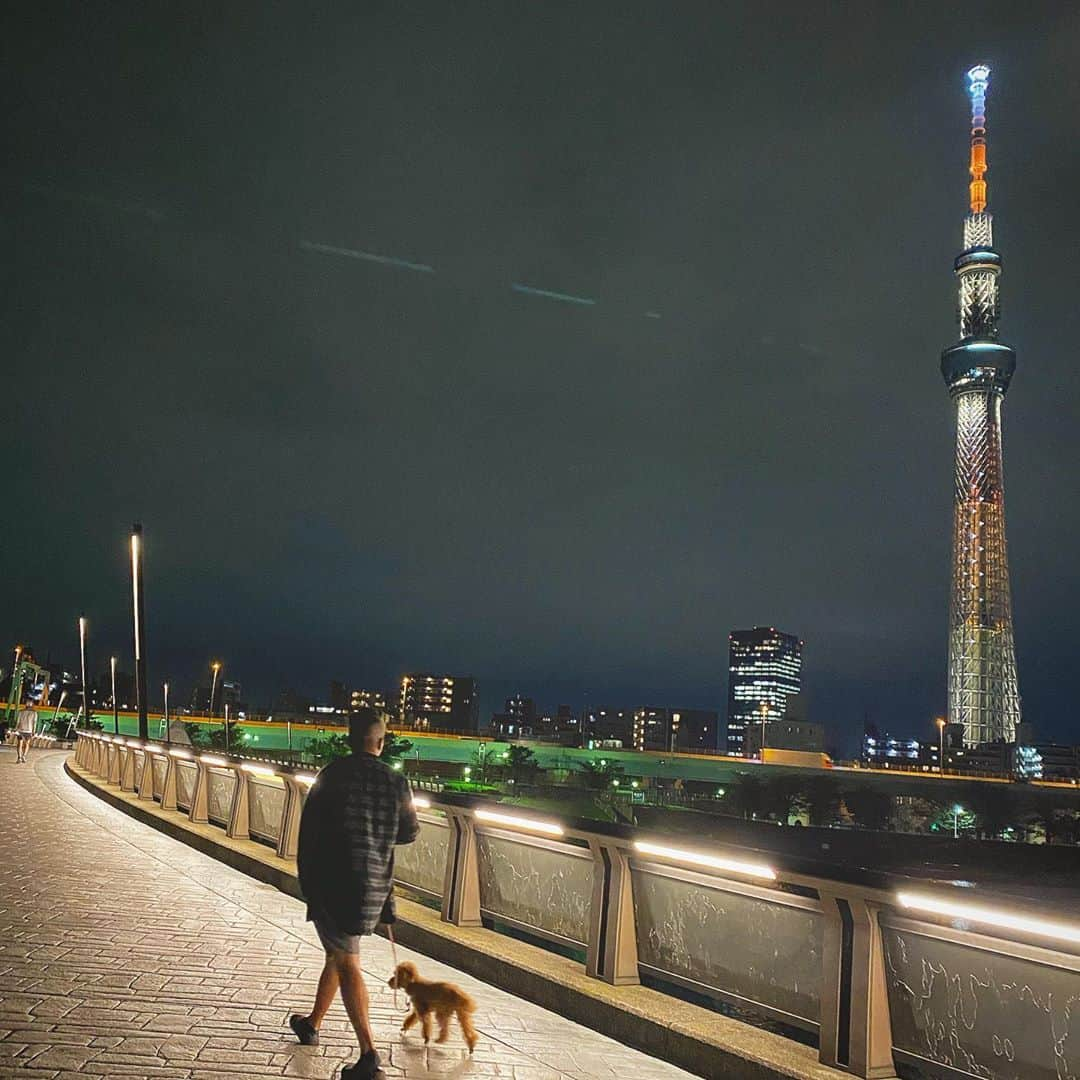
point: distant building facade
(440, 702)
(764, 672)
(787, 734)
(517, 720)
(372, 699)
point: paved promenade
(125, 953)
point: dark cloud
(346, 468)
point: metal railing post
(289, 833)
(612, 947)
(856, 1030)
(116, 750)
(461, 890)
(146, 781)
(238, 827)
(127, 769)
(200, 795)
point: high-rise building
(764, 671)
(517, 720)
(982, 687)
(440, 702)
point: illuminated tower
(983, 694)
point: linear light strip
(549, 828)
(714, 862)
(1003, 920)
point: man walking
(25, 726)
(355, 813)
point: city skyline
(350, 467)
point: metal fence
(884, 977)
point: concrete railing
(881, 974)
(38, 741)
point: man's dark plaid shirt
(355, 813)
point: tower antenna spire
(978, 84)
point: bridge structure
(150, 926)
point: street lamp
(168, 738)
(764, 715)
(215, 667)
(957, 810)
(941, 740)
(138, 612)
(115, 713)
(82, 656)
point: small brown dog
(441, 998)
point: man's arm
(408, 825)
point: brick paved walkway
(125, 953)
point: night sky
(349, 469)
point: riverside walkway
(126, 954)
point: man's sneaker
(302, 1029)
(369, 1067)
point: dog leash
(393, 953)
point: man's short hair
(362, 721)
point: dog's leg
(467, 1029)
(409, 1020)
(444, 1027)
(425, 1025)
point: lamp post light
(215, 667)
(115, 713)
(138, 611)
(941, 741)
(764, 716)
(226, 727)
(168, 733)
(82, 657)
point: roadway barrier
(880, 974)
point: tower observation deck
(982, 686)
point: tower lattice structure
(982, 691)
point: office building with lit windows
(440, 702)
(764, 672)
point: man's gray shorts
(334, 939)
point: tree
(395, 748)
(871, 806)
(521, 763)
(325, 748)
(821, 797)
(600, 774)
(749, 797)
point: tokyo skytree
(983, 694)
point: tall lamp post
(215, 667)
(764, 716)
(115, 713)
(941, 747)
(138, 611)
(957, 810)
(82, 657)
(167, 733)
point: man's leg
(324, 996)
(354, 997)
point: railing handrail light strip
(213, 759)
(549, 828)
(257, 770)
(180, 753)
(1002, 920)
(421, 803)
(305, 777)
(714, 862)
